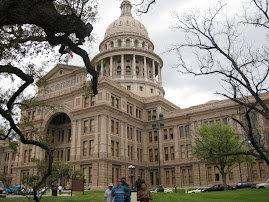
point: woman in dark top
(144, 195)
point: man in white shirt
(108, 193)
(60, 189)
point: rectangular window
(149, 115)
(29, 155)
(184, 176)
(92, 100)
(84, 148)
(117, 103)
(182, 151)
(254, 171)
(92, 125)
(171, 135)
(90, 174)
(86, 126)
(181, 131)
(25, 156)
(225, 121)
(209, 174)
(151, 178)
(141, 88)
(167, 177)
(166, 154)
(155, 136)
(231, 174)
(187, 130)
(165, 134)
(150, 136)
(172, 153)
(262, 171)
(173, 177)
(117, 149)
(117, 127)
(91, 147)
(150, 155)
(189, 155)
(112, 126)
(190, 175)
(86, 102)
(112, 148)
(128, 87)
(156, 154)
(112, 101)
(68, 155)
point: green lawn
(238, 195)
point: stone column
(122, 133)
(111, 69)
(109, 138)
(78, 149)
(103, 139)
(73, 140)
(176, 148)
(134, 67)
(153, 70)
(96, 135)
(122, 67)
(145, 68)
(160, 74)
(102, 67)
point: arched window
(128, 42)
(143, 44)
(137, 70)
(119, 43)
(128, 70)
(105, 47)
(136, 43)
(112, 44)
(118, 70)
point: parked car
(262, 185)
(243, 185)
(166, 190)
(218, 187)
(2, 190)
(198, 190)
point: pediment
(61, 70)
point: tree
(28, 29)
(219, 47)
(215, 140)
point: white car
(263, 185)
(165, 190)
(198, 190)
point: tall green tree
(216, 140)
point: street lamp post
(132, 167)
(157, 125)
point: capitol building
(103, 135)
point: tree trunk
(223, 174)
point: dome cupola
(127, 55)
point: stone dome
(126, 24)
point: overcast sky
(182, 90)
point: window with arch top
(128, 42)
(119, 43)
(112, 44)
(128, 70)
(136, 43)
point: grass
(238, 195)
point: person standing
(60, 189)
(144, 195)
(138, 184)
(118, 192)
(108, 193)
